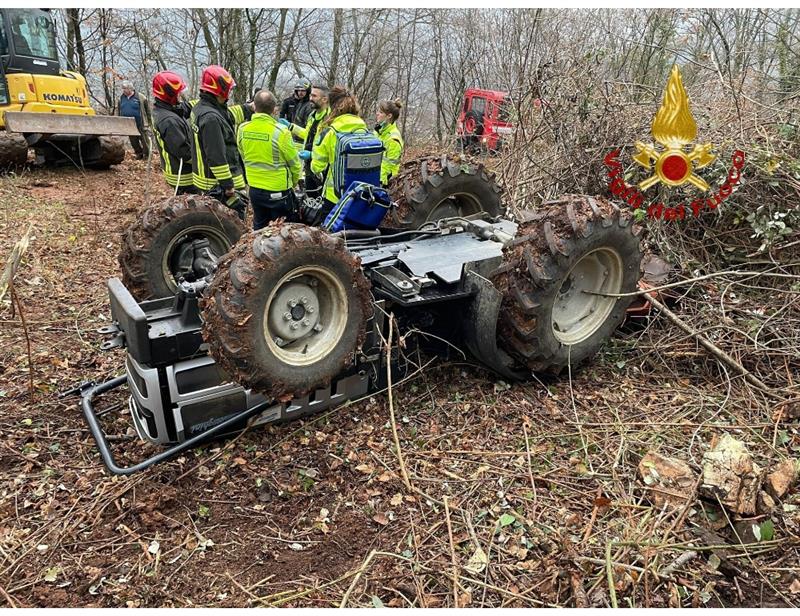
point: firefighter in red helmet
(173, 135)
(217, 169)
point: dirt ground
(522, 495)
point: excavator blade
(68, 124)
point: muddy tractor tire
(13, 151)
(110, 151)
(564, 255)
(435, 187)
(286, 310)
(180, 236)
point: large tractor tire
(180, 236)
(13, 150)
(435, 187)
(564, 255)
(92, 153)
(110, 151)
(286, 310)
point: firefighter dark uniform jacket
(393, 152)
(215, 158)
(174, 143)
(269, 156)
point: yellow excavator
(45, 108)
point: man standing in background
(134, 105)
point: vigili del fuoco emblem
(674, 128)
(674, 160)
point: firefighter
(216, 165)
(386, 129)
(173, 136)
(296, 107)
(271, 162)
(308, 134)
(343, 118)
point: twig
(242, 588)
(612, 591)
(681, 283)
(7, 597)
(530, 472)
(398, 450)
(18, 304)
(680, 561)
(713, 348)
(452, 552)
(359, 571)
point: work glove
(285, 122)
(304, 155)
(237, 201)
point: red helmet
(217, 81)
(167, 86)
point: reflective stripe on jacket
(174, 140)
(393, 152)
(215, 157)
(324, 152)
(270, 158)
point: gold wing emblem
(674, 128)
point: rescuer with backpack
(387, 131)
(343, 133)
(172, 132)
(216, 166)
(271, 162)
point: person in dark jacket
(297, 107)
(172, 132)
(134, 105)
(217, 168)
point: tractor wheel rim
(456, 204)
(305, 315)
(470, 125)
(219, 244)
(578, 313)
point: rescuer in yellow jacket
(270, 161)
(343, 118)
(388, 133)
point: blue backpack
(363, 206)
(358, 158)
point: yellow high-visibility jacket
(324, 152)
(270, 158)
(393, 151)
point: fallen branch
(713, 348)
(395, 436)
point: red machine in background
(485, 119)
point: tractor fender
(480, 326)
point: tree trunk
(276, 64)
(338, 26)
(76, 54)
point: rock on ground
(730, 474)
(671, 481)
(782, 478)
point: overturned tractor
(271, 325)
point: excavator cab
(28, 42)
(46, 108)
